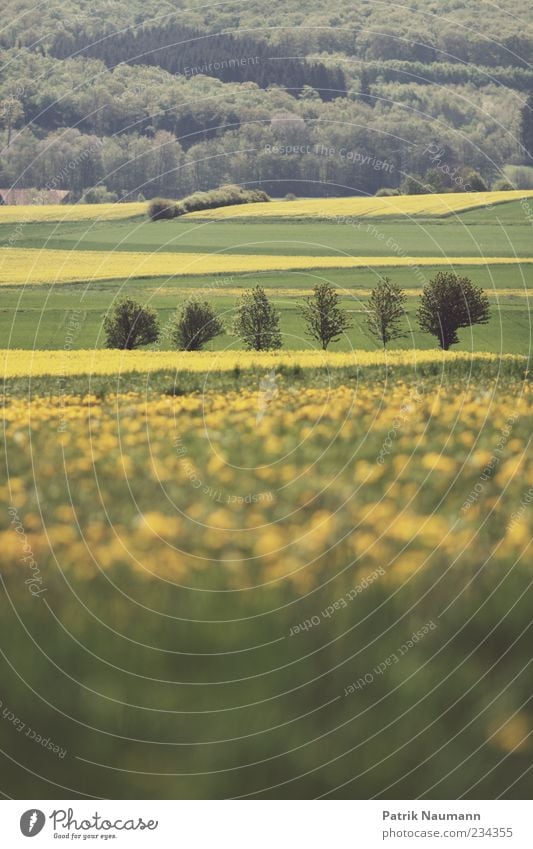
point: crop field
(105, 362)
(32, 266)
(54, 274)
(484, 237)
(284, 574)
(415, 205)
(69, 316)
(59, 279)
(70, 212)
(257, 586)
(405, 205)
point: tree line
(448, 303)
(447, 73)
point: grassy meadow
(289, 574)
(51, 271)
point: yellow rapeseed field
(37, 214)
(433, 204)
(32, 265)
(285, 292)
(357, 207)
(27, 363)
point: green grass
(509, 330)
(39, 316)
(503, 231)
(226, 702)
(515, 212)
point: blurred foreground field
(295, 584)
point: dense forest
(182, 50)
(138, 98)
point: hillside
(139, 98)
(447, 25)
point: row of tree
(447, 304)
(444, 73)
(326, 163)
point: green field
(501, 231)
(31, 318)
(38, 316)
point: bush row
(162, 209)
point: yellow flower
(155, 523)
(438, 462)
(511, 735)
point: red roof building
(31, 197)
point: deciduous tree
(131, 325)
(326, 321)
(386, 310)
(195, 325)
(448, 303)
(257, 321)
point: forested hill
(183, 50)
(297, 97)
(482, 33)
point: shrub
(257, 321)
(224, 196)
(474, 182)
(161, 209)
(521, 176)
(196, 324)
(131, 325)
(99, 194)
(414, 186)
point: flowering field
(31, 266)
(70, 212)
(67, 363)
(356, 207)
(433, 204)
(312, 590)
